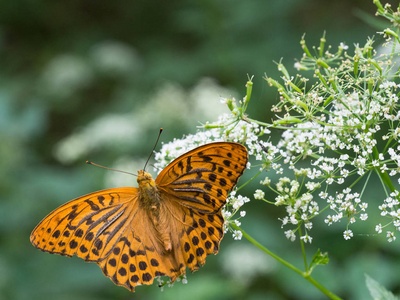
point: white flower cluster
(165, 281)
(226, 128)
(234, 204)
(300, 207)
(340, 145)
(391, 209)
(343, 144)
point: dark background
(96, 80)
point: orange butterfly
(158, 229)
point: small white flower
(266, 181)
(237, 235)
(259, 194)
(378, 228)
(306, 238)
(226, 214)
(308, 225)
(364, 206)
(343, 46)
(329, 181)
(284, 221)
(290, 235)
(279, 200)
(323, 195)
(390, 236)
(293, 220)
(328, 220)
(223, 100)
(347, 234)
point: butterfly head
(145, 178)
(148, 193)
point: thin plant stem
(305, 275)
(384, 176)
(250, 180)
(303, 250)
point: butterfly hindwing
(202, 237)
(202, 178)
(138, 256)
(194, 235)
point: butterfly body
(157, 229)
(150, 200)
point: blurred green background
(96, 80)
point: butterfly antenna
(155, 167)
(152, 151)
(100, 166)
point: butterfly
(157, 229)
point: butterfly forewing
(86, 226)
(202, 178)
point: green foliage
(318, 259)
(377, 291)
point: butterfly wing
(138, 256)
(202, 178)
(194, 235)
(111, 228)
(194, 188)
(88, 226)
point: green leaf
(377, 291)
(319, 259)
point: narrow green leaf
(319, 259)
(377, 291)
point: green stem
(303, 250)
(384, 176)
(250, 180)
(305, 275)
(268, 125)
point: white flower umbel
(345, 130)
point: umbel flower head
(345, 126)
